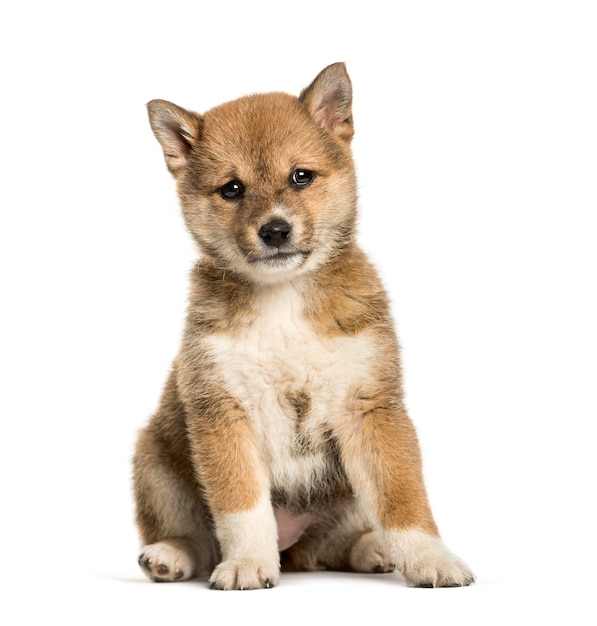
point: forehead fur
(266, 128)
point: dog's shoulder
(349, 297)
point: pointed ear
(176, 129)
(329, 101)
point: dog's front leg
(237, 490)
(381, 456)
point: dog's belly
(295, 386)
(291, 527)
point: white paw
(245, 574)
(166, 562)
(425, 561)
(369, 555)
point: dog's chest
(294, 384)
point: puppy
(281, 440)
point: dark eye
(232, 190)
(302, 178)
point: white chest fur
(278, 363)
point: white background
(476, 145)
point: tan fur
(283, 418)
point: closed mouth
(279, 259)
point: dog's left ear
(329, 101)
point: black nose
(275, 233)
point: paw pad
(165, 563)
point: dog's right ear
(176, 129)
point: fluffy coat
(281, 438)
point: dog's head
(266, 182)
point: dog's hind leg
(172, 517)
(169, 560)
(174, 527)
(342, 540)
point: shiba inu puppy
(281, 440)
